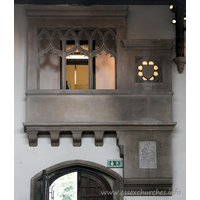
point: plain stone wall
(31, 160)
(150, 22)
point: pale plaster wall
(31, 160)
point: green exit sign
(115, 163)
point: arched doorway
(76, 180)
(80, 184)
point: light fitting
(173, 21)
(77, 57)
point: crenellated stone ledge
(96, 130)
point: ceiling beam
(97, 2)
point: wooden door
(90, 187)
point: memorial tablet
(147, 154)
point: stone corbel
(180, 62)
(55, 138)
(76, 135)
(99, 138)
(121, 147)
(33, 138)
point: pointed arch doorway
(76, 180)
(80, 184)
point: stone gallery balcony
(103, 111)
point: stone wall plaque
(147, 154)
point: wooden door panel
(91, 187)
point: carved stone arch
(56, 31)
(109, 29)
(111, 32)
(82, 51)
(41, 33)
(100, 34)
(41, 54)
(104, 47)
(75, 38)
(50, 29)
(50, 46)
(70, 32)
(45, 51)
(98, 51)
(72, 50)
(84, 31)
(104, 27)
(73, 30)
(107, 175)
(115, 39)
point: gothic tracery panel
(86, 42)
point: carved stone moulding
(147, 44)
(79, 130)
(43, 11)
(148, 187)
(180, 62)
